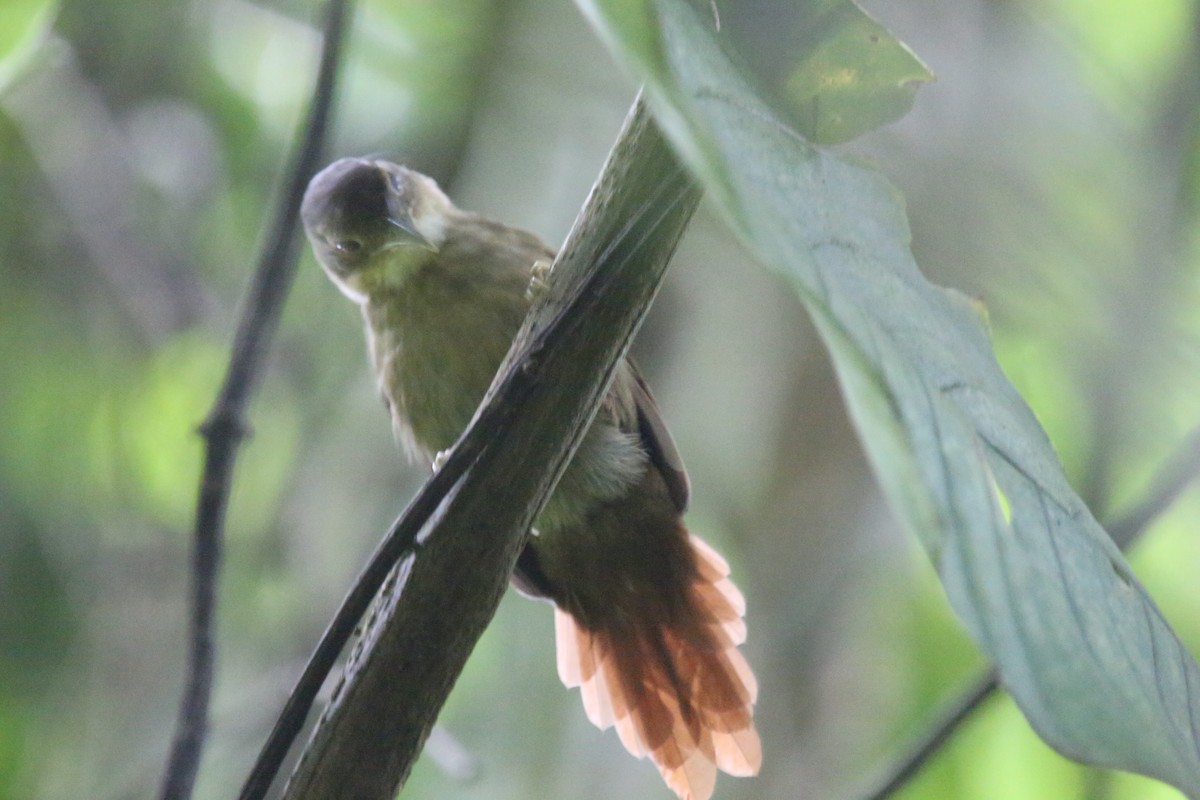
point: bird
(647, 620)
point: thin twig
(1172, 478)
(931, 740)
(225, 427)
(1179, 471)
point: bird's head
(371, 222)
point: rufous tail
(681, 693)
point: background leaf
(833, 70)
(1081, 646)
(24, 24)
(853, 75)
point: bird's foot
(538, 275)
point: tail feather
(582, 663)
(682, 694)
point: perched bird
(647, 620)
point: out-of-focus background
(1050, 171)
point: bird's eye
(348, 246)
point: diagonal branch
(556, 373)
(225, 427)
(1179, 471)
(399, 541)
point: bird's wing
(657, 439)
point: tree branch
(225, 427)
(399, 542)
(489, 489)
(557, 371)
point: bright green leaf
(1081, 646)
(23, 26)
(845, 75)
(852, 76)
(1125, 47)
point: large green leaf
(1081, 646)
(831, 67)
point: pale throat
(391, 268)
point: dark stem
(225, 426)
(399, 541)
(1180, 470)
(931, 740)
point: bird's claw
(538, 274)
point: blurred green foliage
(1047, 171)
(23, 25)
